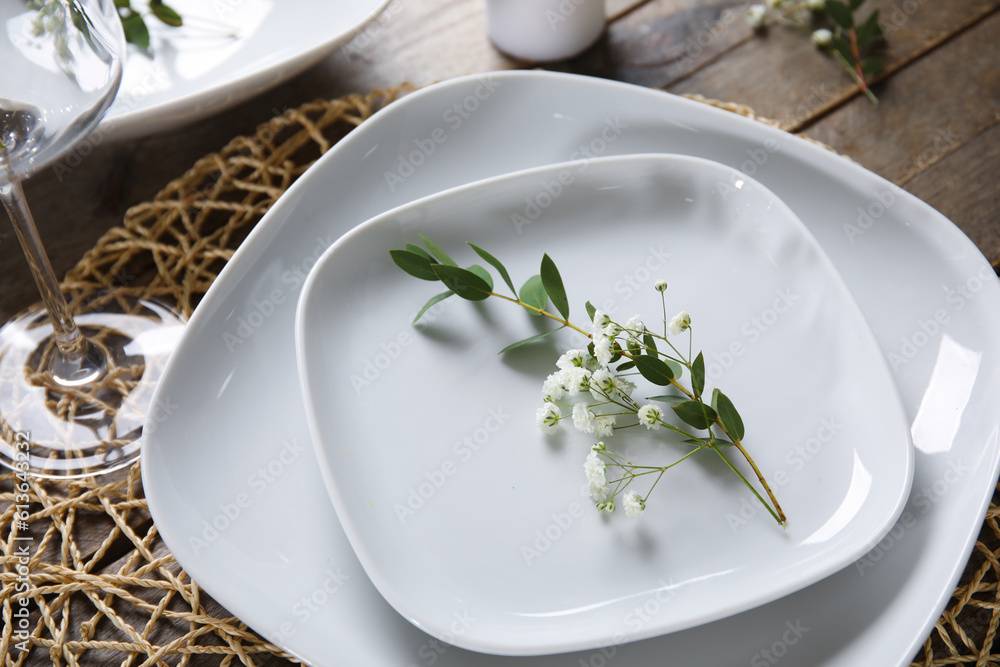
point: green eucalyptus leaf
(553, 284)
(654, 369)
(628, 365)
(413, 247)
(872, 65)
(698, 374)
(868, 30)
(416, 265)
(844, 47)
(533, 293)
(617, 349)
(728, 415)
(123, 4)
(649, 341)
(675, 368)
(166, 14)
(482, 273)
(135, 30)
(633, 348)
(462, 282)
(840, 13)
(855, 4)
(668, 398)
(531, 339)
(497, 264)
(591, 311)
(695, 413)
(433, 300)
(437, 251)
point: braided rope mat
(86, 579)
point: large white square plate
(458, 506)
(235, 433)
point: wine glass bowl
(77, 372)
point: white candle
(544, 30)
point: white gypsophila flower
(600, 320)
(635, 326)
(815, 5)
(755, 15)
(602, 350)
(547, 418)
(553, 388)
(680, 322)
(623, 386)
(596, 478)
(650, 416)
(602, 384)
(576, 380)
(633, 503)
(612, 330)
(573, 358)
(661, 285)
(822, 37)
(604, 427)
(583, 418)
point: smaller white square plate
(476, 527)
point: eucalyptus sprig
(134, 24)
(632, 350)
(834, 27)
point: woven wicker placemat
(99, 585)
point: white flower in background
(552, 388)
(605, 426)
(633, 503)
(583, 419)
(576, 379)
(650, 416)
(596, 479)
(755, 15)
(822, 37)
(634, 326)
(573, 358)
(600, 320)
(602, 384)
(602, 350)
(623, 386)
(680, 322)
(815, 5)
(547, 418)
(661, 285)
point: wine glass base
(52, 429)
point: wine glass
(76, 372)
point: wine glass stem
(77, 355)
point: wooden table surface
(936, 132)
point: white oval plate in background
(227, 52)
(459, 507)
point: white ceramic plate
(439, 458)
(227, 52)
(235, 487)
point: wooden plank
(929, 110)
(962, 185)
(781, 74)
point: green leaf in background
(123, 4)
(695, 413)
(433, 300)
(840, 13)
(418, 266)
(462, 282)
(872, 65)
(675, 368)
(728, 415)
(166, 14)
(698, 374)
(869, 30)
(482, 273)
(437, 251)
(843, 46)
(668, 398)
(855, 4)
(533, 293)
(654, 369)
(531, 339)
(553, 284)
(497, 264)
(591, 311)
(135, 29)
